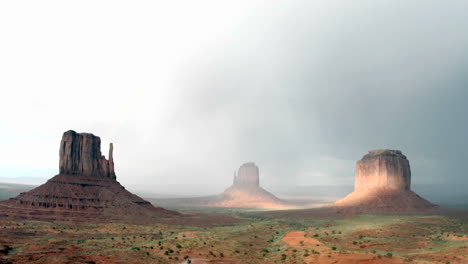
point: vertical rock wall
(383, 169)
(247, 175)
(80, 154)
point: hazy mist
(303, 88)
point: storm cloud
(303, 88)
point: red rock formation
(80, 154)
(383, 169)
(86, 188)
(246, 191)
(383, 184)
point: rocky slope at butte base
(86, 189)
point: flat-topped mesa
(383, 185)
(383, 169)
(80, 154)
(247, 175)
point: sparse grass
(254, 241)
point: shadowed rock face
(385, 169)
(383, 184)
(80, 154)
(85, 190)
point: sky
(189, 90)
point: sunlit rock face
(80, 154)
(383, 184)
(246, 191)
(383, 169)
(85, 190)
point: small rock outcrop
(85, 189)
(80, 154)
(246, 191)
(383, 184)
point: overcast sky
(189, 90)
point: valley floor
(258, 239)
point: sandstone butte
(85, 189)
(246, 191)
(383, 184)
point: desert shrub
(354, 242)
(389, 255)
(333, 248)
(178, 246)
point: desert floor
(258, 238)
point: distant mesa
(383, 184)
(86, 188)
(246, 191)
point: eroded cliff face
(247, 175)
(383, 169)
(80, 154)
